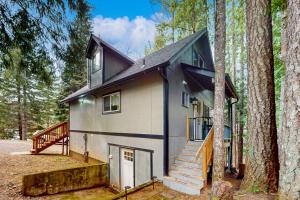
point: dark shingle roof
(158, 58)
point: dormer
(104, 62)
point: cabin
(151, 117)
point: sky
(128, 25)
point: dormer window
(96, 61)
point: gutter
(116, 83)
(163, 73)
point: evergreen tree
(289, 132)
(74, 75)
(262, 164)
(218, 116)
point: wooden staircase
(50, 136)
(189, 172)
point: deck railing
(206, 153)
(49, 136)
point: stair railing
(206, 151)
(50, 134)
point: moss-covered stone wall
(57, 181)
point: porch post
(231, 133)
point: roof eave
(118, 82)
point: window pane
(106, 103)
(96, 61)
(115, 102)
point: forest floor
(15, 161)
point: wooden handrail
(206, 150)
(187, 130)
(51, 128)
(50, 136)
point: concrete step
(188, 163)
(195, 143)
(191, 147)
(189, 170)
(188, 157)
(186, 177)
(189, 151)
(181, 186)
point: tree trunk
(24, 119)
(234, 115)
(220, 35)
(261, 173)
(19, 110)
(241, 126)
(289, 134)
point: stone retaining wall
(57, 181)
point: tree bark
(24, 118)
(234, 53)
(261, 173)
(289, 133)
(220, 35)
(19, 110)
(241, 126)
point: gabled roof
(101, 42)
(160, 58)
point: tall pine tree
(74, 75)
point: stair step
(181, 186)
(189, 170)
(188, 157)
(184, 176)
(196, 143)
(189, 151)
(191, 147)
(188, 163)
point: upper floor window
(96, 61)
(112, 102)
(185, 99)
(197, 59)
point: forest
(257, 42)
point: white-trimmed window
(97, 59)
(185, 99)
(112, 102)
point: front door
(127, 168)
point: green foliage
(180, 19)
(255, 189)
(30, 31)
(74, 74)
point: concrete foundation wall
(98, 148)
(57, 181)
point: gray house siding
(112, 65)
(139, 125)
(177, 112)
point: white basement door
(127, 168)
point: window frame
(199, 59)
(185, 99)
(110, 104)
(96, 50)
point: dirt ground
(16, 161)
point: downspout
(231, 135)
(163, 73)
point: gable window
(96, 61)
(185, 99)
(197, 59)
(112, 102)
